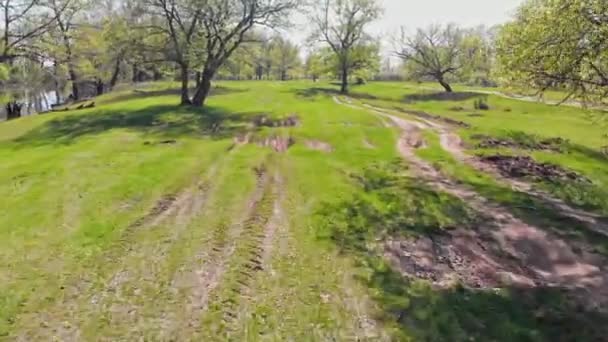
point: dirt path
(502, 250)
(452, 143)
(201, 282)
(528, 98)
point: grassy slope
(74, 182)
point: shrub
(481, 104)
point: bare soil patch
(162, 205)
(428, 116)
(501, 250)
(289, 121)
(525, 166)
(277, 143)
(368, 144)
(162, 142)
(549, 144)
(319, 145)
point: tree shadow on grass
(537, 212)
(441, 96)
(462, 314)
(311, 93)
(138, 94)
(163, 121)
(390, 205)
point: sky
(413, 14)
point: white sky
(413, 14)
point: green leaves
(557, 44)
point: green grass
(585, 131)
(73, 183)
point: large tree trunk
(184, 76)
(115, 74)
(99, 86)
(445, 85)
(135, 71)
(13, 110)
(202, 91)
(57, 87)
(74, 80)
(198, 78)
(344, 86)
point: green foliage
(481, 103)
(4, 72)
(557, 44)
(392, 204)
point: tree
(315, 66)
(479, 56)
(341, 25)
(65, 13)
(436, 52)
(286, 57)
(22, 21)
(561, 44)
(224, 25)
(180, 20)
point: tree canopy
(557, 44)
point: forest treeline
(82, 48)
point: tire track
(452, 143)
(250, 256)
(82, 300)
(544, 259)
(227, 242)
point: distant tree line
(77, 49)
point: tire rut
(542, 259)
(251, 253)
(227, 245)
(452, 143)
(81, 300)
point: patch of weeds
(583, 194)
(481, 103)
(391, 203)
(460, 314)
(521, 140)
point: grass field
(140, 219)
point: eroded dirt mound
(264, 121)
(319, 145)
(277, 143)
(549, 144)
(517, 256)
(428, 116)
(525, 166)
(459, 257)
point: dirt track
(502, 250)
(452, 143)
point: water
(34, 104)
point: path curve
(452, 143)
(535, 257)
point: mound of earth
(319, 145)
(277, 143)
(428, 116)
(525, 166)
(549, 144)
(264, 121)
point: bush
(481, 104)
